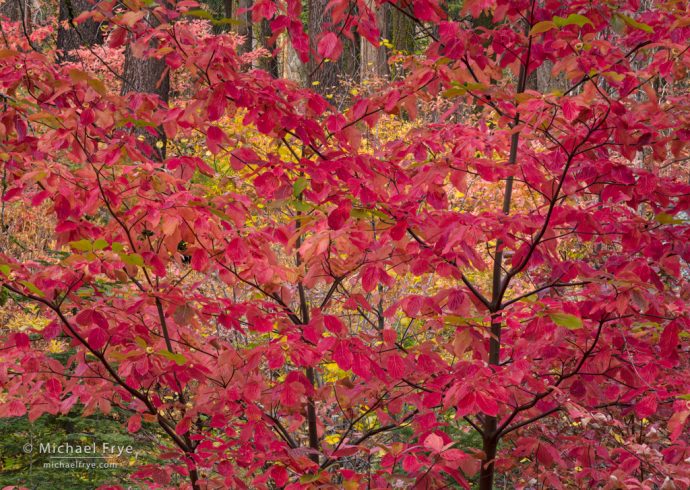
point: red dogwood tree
(498, 294)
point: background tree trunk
(402, 31)
(268, 63)
(327, 73)
(373, 60)
(245, 27)
(290, 65)
(72, 36)
(148, 75)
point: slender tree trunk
(490, 430)
(312, 428)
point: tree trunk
(151, 76)
(245, 27)
(18, 11)
(402, 30)
(268, 63)
(373, 59)
(14, 10)
(72, 36)
(490, 429)
(326, 76)
(291, 67)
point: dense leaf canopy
(464, 275)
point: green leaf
(309, 478)
(226, 21)
(32, 287)
(132, 259)
(97, 85)
(635, 24)
(454, 92)
(100, 244)
(541, 27)
(684, 397)
(204, 14)
(221, 215)
(571, 322)
(302, 206)
(5, 269)
(141, 342)
(573, 19)
(117, 247)
(178, 358)
(667, 219)
(82, 245)
(85, 292)
(199, 14)
(299, 186)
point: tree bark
(373, 59)
(402, 29)
(268, 63)
(245, 27)
(72, 36)
(151, 76)
(327, 77)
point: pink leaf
(330, 46)
(434, 443)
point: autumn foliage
(301, 294)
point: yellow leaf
(540, 27)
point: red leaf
(97, 338)
(16, 409)
(370, 278)
(134, 423)
(668, 341)
(343, 356)
(454, 455)
(54, 387)
(199, 260)
(183, 425)
(333, 324)
(214, 138)
(545, 454)
(486, 404)
(338, 217)
(330, 46)
(647, 406)
(396, 366)
(21, 340)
